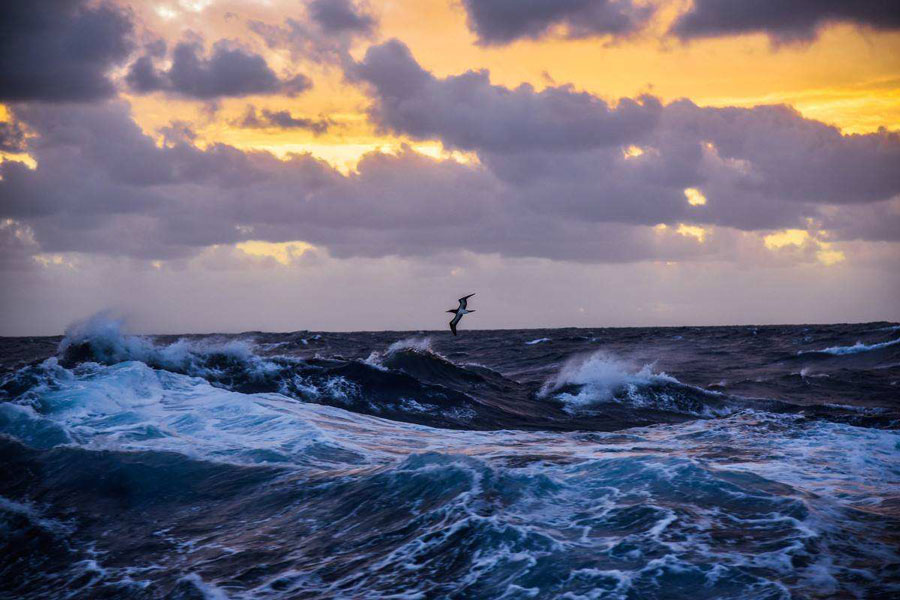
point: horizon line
(478, 329)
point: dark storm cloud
(339, 16)
(60, 50)
(877, 222)
(279, 119)
(230, 71)
(562, 150)
(556, 177)
(102, 186)
(798, 20)
(498, 22)
(467, 111)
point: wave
(748, 506)
(419, 344)
(102, 339)
(587, 383)
(857, 348)
(141, 468)
(407, 381)
(537, 341)
(130, 406)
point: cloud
(468, 112)
(879, 221)
(12, 137)
(102, 186)
(279, 119)
(499, 22)
(60, 50)
(556, 174)
(326, 35)
(230, 71)
(570, 153)
(338, 16)
(783, 22)
(17, 245)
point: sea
(746, 462)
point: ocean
(635, 463)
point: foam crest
(413, 344)
(417, 344)
(602, 383)
(600, 377)
(859, 347)
(130, 406)
(102, 338)
(663, 506)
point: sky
(278, 165)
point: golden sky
(540, 190)
(848, 77)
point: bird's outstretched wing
(464, 301)
(454, 322)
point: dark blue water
(728, 462)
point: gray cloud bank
(794, 21)
(498, 22)
(279, 119)
(561, 150)
(60, 50)
(229, 71)
(340, 16)
(560, 174)
(325, 36)
(551, 180)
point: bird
(459, 312)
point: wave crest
(601, 375)
(587, 382)
(102, 339)
(858, 347)
(418, 344)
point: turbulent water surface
(730, 462)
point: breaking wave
(858, 347)
(587, 382)
(367, 466)
(102, 339)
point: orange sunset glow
(213, 137)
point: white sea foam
(131, 406)
(537, 341)
(569, 498)
(207, 590)
(415, 344)
(109, 343)
(858, 347)
(419, 344)
(600, 376)
(33, 514)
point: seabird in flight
(459, 312)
